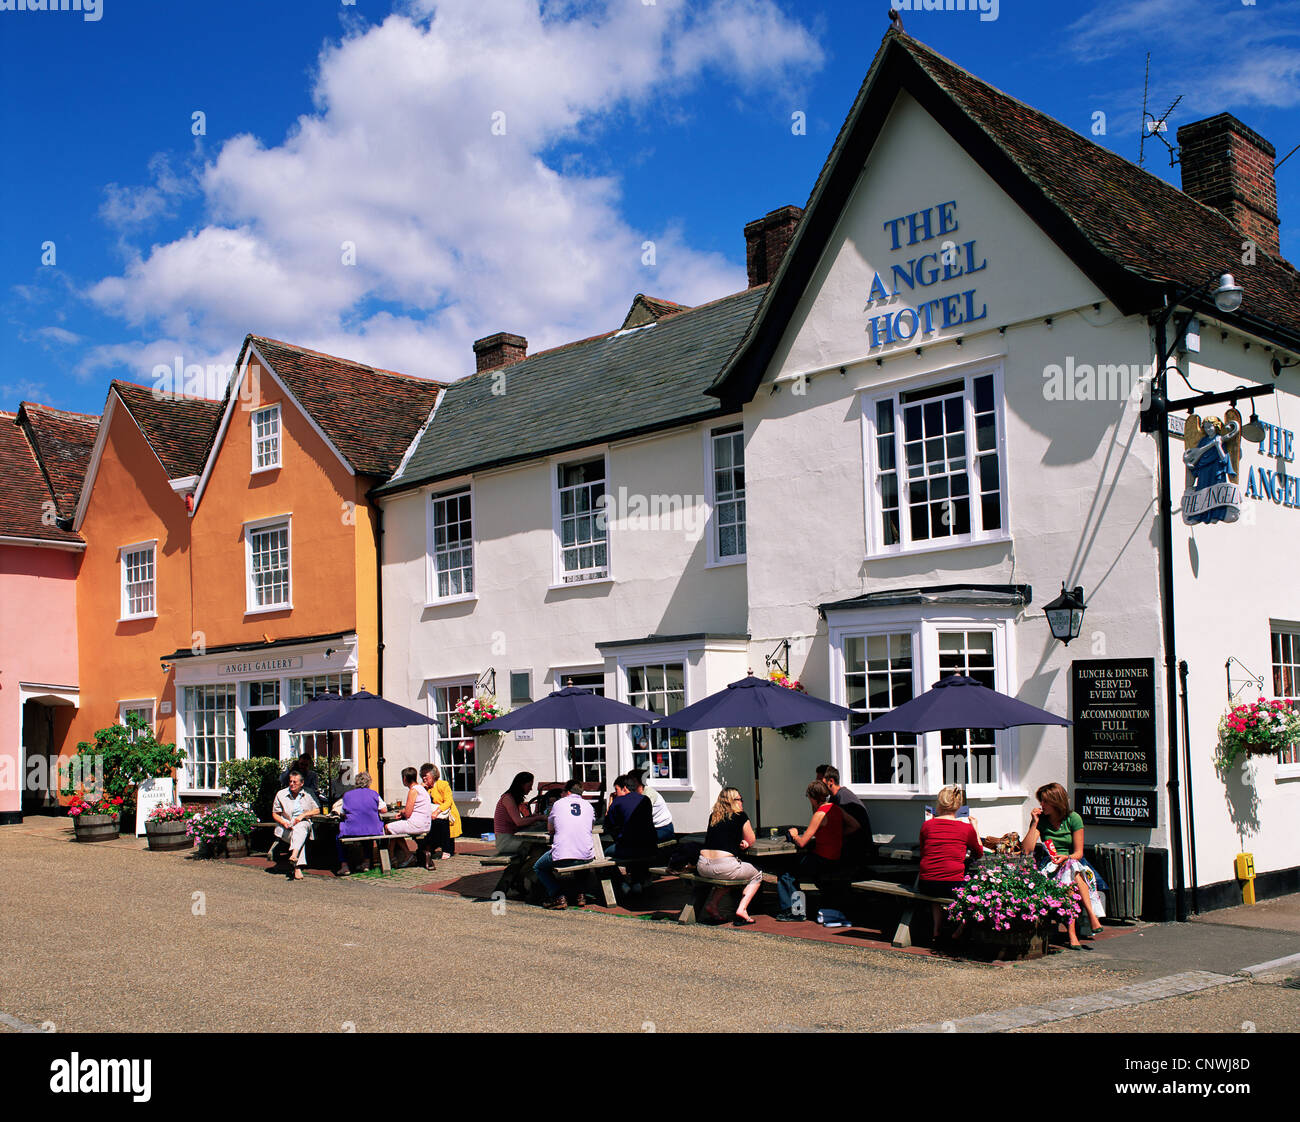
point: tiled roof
(63, 443)
(179, 429)
(647, 309)
(610, 386)
(370, 415)
(24, 512)
(1136, 236)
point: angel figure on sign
(1212, 458)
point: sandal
(743, 921)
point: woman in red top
(945, 842)
(822, 845)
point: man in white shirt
(291, 810)
(569, 825)
(663, 817)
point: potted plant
(781, 678)
(474, 711)
(1259, 728)
(221, 830)
(165, 828)
(120, 759)
(95, 819)
(1009, 908)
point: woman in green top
(1061, 832)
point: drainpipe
(1170, 638)
(1191, 802)
(379, 603)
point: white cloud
(459, 230)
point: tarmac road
(111, 938)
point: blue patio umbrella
(569, 708)
(756, 703)
(293, 720)
(959, 702)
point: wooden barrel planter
(1008, 946)
(165, 836)
(95, 827)
(233, 845)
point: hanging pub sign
(1111, 807)
(1113, 709)
(1213, 456)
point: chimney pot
(766, 241)
(1228, 166)
(502, 349)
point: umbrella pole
(756, 735)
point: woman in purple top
(361, 807)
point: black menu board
(1113, 707)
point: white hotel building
(890, 451)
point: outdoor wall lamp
(1229, 294)
(1065, 614)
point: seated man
(569, 825)
(661, 816)
(859, 847)
(822, 846)
(630, 822)
(291, 810)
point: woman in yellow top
(446, 818)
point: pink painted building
(43, 457)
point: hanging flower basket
(781, 678)
(471, 712)
(1259, 728)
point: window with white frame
(324, 746)
(266, 438)
(661, 688)
(883, 664)
(452, 544)
(139, 592)
(727, 448)
(453, 743)
(582, 529)
(268, 565)
(935, 465)
(210, 716)
(585, 748)
(141, 709)
(1286, 678)
(880, 674)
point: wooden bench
(385, 845)
(495, 862)
(604, 870)
(903, 933)
(698, 893)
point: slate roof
(23, 498)
(63, 443)
(1135, 235)
(371, 415)
(180, 430)
(607, 387)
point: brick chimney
(1230, 167)
(766, 241)
(501, 349)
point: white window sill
(264, 470)
(468, 598)
(727, 562)
(973, 794)
(143, 615)
(567, 586)
(201, 792)
(1287, 771)
(269, 608)
(937, 546)
(665, 787)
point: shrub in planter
(222, 830)
(781, 678)
(1259, 728)
(1009, 905)
(251, 783)
(121, 758)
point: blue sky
(494, 165)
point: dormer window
(266, 438)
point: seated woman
(1060, 831)
(729, 834)
(417, 815)
(361, 807)
(446, 818)
(512, 815)
(822, 844)
(945, 842)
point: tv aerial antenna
(1153, 126)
